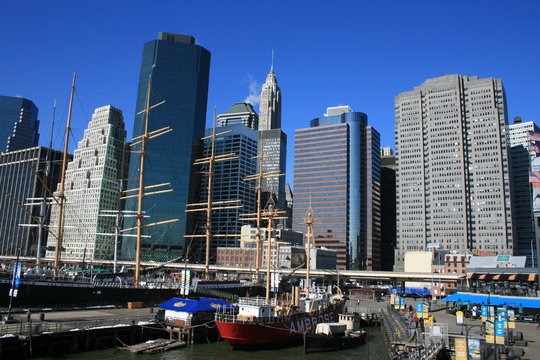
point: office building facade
(92, 187)
(19, 124)
(228, 185)
(27, 176)
(388, 209)
(453, 186)
(180, 73)
(521, 155)
(337, 174)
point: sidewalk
(531, 332)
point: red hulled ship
(263, 324)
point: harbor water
(374, 349)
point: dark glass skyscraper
(180, 71)
(26, 174)
(19, 124)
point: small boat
(331, 337)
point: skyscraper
(92, 185)
(26, 174)
(240, 113)
(521, 157)
(453, 189)
(272, 141)
(229, 185)
(337, 173)
(19, 124)
(388, 208)
(270, 103)
(180, 71)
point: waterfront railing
(40, 327)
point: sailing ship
(62, 289)
(263, 323)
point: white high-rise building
(272, 140)
(92, 185)
(453, 187)
(521, 156)
(270, 103)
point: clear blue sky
(359, 53)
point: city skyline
(362, 61)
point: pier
(50, 333)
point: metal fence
(38, 327)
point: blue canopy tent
(195, 306)
(485, 299)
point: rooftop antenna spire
(272, 66)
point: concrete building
(240, 113)
(273, 146)
(249, 235)
(453, 186)
(26, 174)
(93, 184)
(19, 124)
(337, 173)
(228, 185)
(180, 71)
(521, 154)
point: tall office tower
(272, 140)
(273, 146)
(93, 185)
(270, 103)
(180, 71)
(19, 124)
(388, 208)
(453, 188)
(228, 185)
(240, 113)
(26, 174)
(521, 156)
(337, 173)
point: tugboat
(335, 336)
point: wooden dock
(154, 346)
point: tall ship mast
(61, 195)
(265, 323)
(141, 190)
(210, 205)
(260, 176)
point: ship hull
(48, 294)
(263, 334)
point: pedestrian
(474, 312)
(410, 308)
